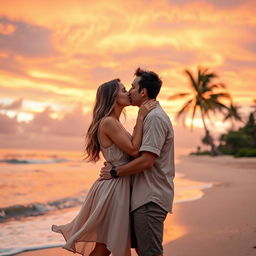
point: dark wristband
(113, 172)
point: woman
(103, 224)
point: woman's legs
(100, 250)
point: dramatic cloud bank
(54, 55)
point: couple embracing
(126, 207)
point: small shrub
(246, 152)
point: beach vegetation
(233, 114)
(240, 142)
(205, 97)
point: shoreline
(222, 222)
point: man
(152, 186)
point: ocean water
(41, 188)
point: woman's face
(122, 98)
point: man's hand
(105, 172)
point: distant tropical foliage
(241, 142)
(206, 98)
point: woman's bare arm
(114, 130)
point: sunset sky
(54, 55)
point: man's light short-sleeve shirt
(156, 184)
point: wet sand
(221, 223)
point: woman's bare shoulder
(109, 121)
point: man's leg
(148, 228)
(133, 237)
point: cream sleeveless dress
(104, 215)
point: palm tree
(254, 106)
(204, 99)
(233, 114)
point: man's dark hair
(150, 81)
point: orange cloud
(56, 53)
(6, 29)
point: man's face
(135, 95)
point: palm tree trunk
(214, 150)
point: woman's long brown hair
(104, 104)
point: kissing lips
(130, 99)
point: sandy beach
(221, 223)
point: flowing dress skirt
(103, 217)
